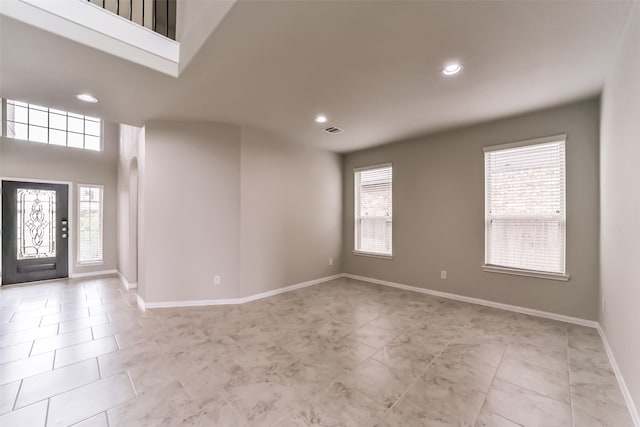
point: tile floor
(343, 353)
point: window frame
(541, 274)
(356, 212)
(79, 262)
(5, 120)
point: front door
(35, 231)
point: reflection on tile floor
(343, 353)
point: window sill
(372, 255)
(527, 273)
(89, 263)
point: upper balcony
(141, 31)
(157, 15)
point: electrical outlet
(443, 274)
(330, 261)
(216, 280)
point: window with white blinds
(90, 199)
(373, 210)
(525, 205)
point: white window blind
(373, 210)
(525, 205)
(90, 224)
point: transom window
(373, 210)
(36, 123)
(525, 215)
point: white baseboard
(478, 301)
(289, 288)
(228, 301)
(141, 303)
(633, 410)
(126, 283)
(93, 273)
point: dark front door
(35, 231)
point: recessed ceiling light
(87, 98)
(451, 69)
(321, 119)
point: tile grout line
(419, 376)
(99, 370)
(573, 417)
(33, 344)
(531, 390)
(495, 375)
(46, 417)
(15, 400)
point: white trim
(141, 303)
(478, 301)
(378, 166)
(528, 273)
(94, 273)
(36, 180)
(633, 410)
(372, 254)
(230, 301)
(290, 288)
(127, 285)
(544, 140)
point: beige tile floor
(343, 353)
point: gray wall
(128, 202)
(236, 202)
(291, 213)
(191, 211)
(32, 160)
(438, 204)
(620, 207)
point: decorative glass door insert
(36, 223)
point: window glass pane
(92, 128)
(38, 134)
(11, 129)
(85, 193)
(92, 143)
(95, 194)
(38, 117)
(19, 131)
(76, 125)
(58, 121)
(18, 103)
(75, 140)
(57, 137)
(19, 114)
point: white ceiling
(373, 67)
